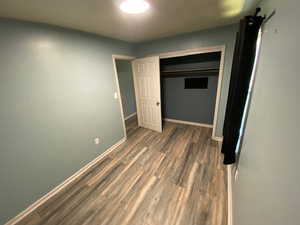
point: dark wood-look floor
(170, 178)
(131, 125)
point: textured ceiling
(165, 18)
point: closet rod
(189, 72)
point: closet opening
(189, 88)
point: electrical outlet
(97, 141)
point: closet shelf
(168, 73)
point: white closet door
(146, 75)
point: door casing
(114, 58)
(195, 51)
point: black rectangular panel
(196, 83)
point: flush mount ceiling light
(134, 6)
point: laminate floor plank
(71, 190)
(171, 178)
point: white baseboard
(61, 186)
(189, 123)
(130, 116)
(219, 139)
(229, 190)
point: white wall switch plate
(116, 95)
(97, 141)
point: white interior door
(146, 75)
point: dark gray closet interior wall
(57, 94)
(125, 77)
(212, 37)
(193, 105)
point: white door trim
(229, 197)
(124, 57)
(220, 48)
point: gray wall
(56, 94)
(125, 77)
(212, 37)
(267, 189)
(193, 105)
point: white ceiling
(165, 18)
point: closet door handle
(157, 103)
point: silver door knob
(157, 103)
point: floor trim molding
(215, 138)
(229, 190)
(219, 139)
(130, 116)
(189, 123)
(61, 186)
